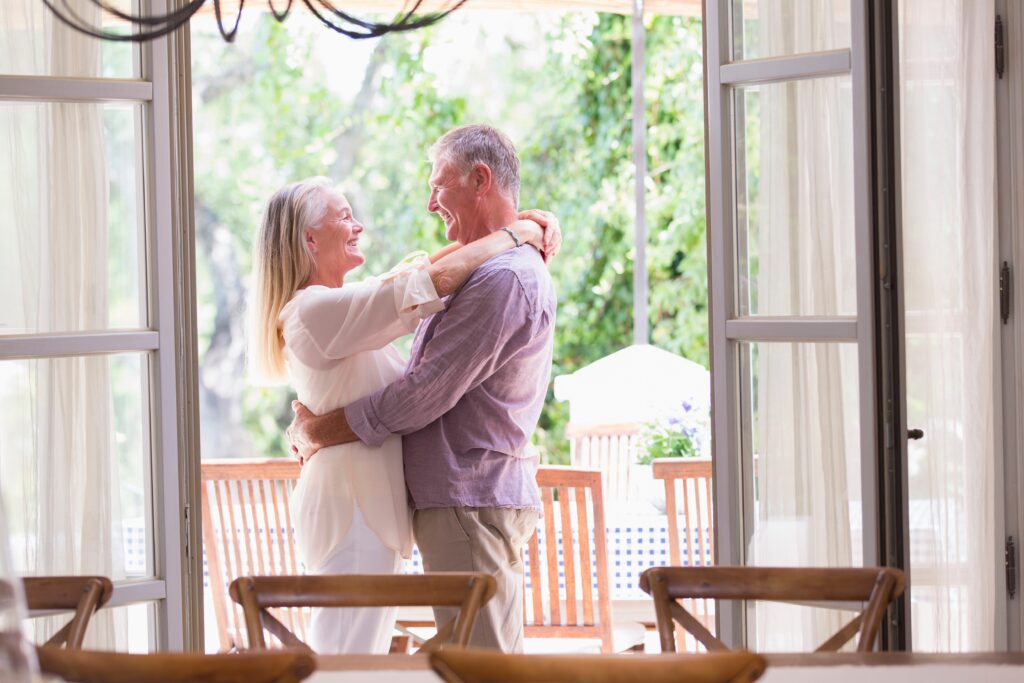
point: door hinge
(1000, 47)
(1011, 567)
(1005, 285)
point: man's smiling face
(452, 197)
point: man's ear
(481, 178)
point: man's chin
(451, 233)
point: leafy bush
(680, 435)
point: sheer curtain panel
(59, 472)
(947, 132)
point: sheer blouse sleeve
(323, 324)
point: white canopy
(636, 384)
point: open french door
(792, 299)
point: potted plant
(682, 433)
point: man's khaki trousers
(481, 540)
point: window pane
(802, 445)
(70, 222)
(126, 628)
(777, 28)
(34, 43)
(73, 464)
(794, 193)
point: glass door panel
(794, 201)
(780, 28)
(792, 306)
(948, 147)
(805, 441)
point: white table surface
(786, 668)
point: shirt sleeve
(333, 323)
(486, 324)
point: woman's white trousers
(363, 630)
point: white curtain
(56, 442)
(947, 98)
(806, 438)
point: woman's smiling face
(335, 239)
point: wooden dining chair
(872, 588)
(569, 594)
(481, 666)
(86, 666)
(83, 594)
(468, 591)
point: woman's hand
(551, 240)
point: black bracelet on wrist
(515, 238)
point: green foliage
(266, 115)
(662, 441)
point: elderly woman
(332, 341)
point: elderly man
(472, 392)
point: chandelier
(145, 28)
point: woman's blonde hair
(281, 263)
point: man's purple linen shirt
(473, 391)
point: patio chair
(688, 494)
(83, 594)
(479, 666)
(572, 599)
(466, 590)
(247, 529)
(85, 666)
(871, 587)
(611, 449)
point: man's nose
(432, 202)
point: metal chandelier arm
(145, 28)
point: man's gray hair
(467, 146)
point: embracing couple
(449, 430)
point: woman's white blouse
(338, 349)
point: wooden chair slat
(551, 551)
(536, 591)
(673, 522)
(256, 535)
(601, 550)
(568, 555)
(586, 570)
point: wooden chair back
(86, 666)
(571, 599)
(466, 590)
(688, 495)
(83, 594)
(612, 450)
(481, 666)
(247, 529)
(690, 544)
(874, 587)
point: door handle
(915, 434)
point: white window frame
(169, 336)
